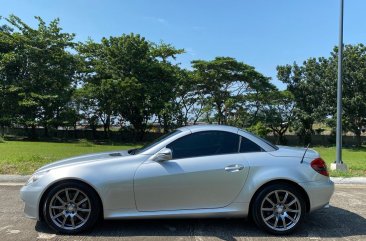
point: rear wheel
(278, 208)
(71, 207)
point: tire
(278, 209)
(71, 207)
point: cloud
(157, 20)
(161, 20)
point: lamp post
(338, 164)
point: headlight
(35, 177)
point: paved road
(345, 220)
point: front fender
(111, 179)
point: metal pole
(339, 89)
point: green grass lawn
(355, 159)
(23, 157)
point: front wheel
(71, 207)
(278, 209)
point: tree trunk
(282, 139)
(55, 133)
(33, 135)
(94, 132)
(106, 127)
(2, 130)
(307, 137)
(219, 113)
(306, 132)
(281, 134)
(75, 132)
(165, 122)
(46, 131)
(141, 135)
(274, 132)
(105, 131)
(358, 138)
(139, 130)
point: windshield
(153, 143)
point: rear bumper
(319, 193)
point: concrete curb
(14, 178)
(349, 180)
(20, 180)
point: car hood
(84, 158)
(286, 151)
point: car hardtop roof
(195, 128)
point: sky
(261, 33)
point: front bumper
(31, 196)
(319, 193)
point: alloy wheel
(70, 208)
(280, 210)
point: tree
(8, 72)
(86, 105)
(186, 105)
(190, 98)
(354, 88)
(165, 106)
(278, 114)
(136, 74)
(225, 81)
(307, 85)
(44, 71)
(165, 51)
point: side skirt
(232, 210)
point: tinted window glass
(205, 143)
(248, 146)
(264, 140)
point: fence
(319, 140)
(118, 136)
(130, 136)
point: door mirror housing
(163, 155)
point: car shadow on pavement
(333, 222)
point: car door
(206, 171)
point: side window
(249, 146)
(205, 143)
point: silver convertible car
(194, 171)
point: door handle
(234, 168)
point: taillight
(319, 166)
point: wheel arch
(49, 188)
(281, 181)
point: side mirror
(163, 155)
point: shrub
(259, 129)
(85, 143)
